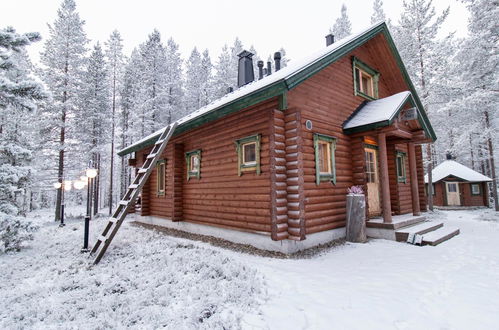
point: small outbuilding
(457, 185)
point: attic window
(193, 161)
(365, 80)
(400, 163)
(248, 154)
(160, 177)
(325, 166)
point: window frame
(479, 189)
(401, 177)
(188, 157)
(159, 164)
(362, 67)
(248, 167)
(323, 176)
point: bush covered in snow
(14, 232)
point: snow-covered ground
(149, 280)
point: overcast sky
(298, 26)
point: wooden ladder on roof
(132, 193)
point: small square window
(365, 80)
(475, 189)
(325, 147)
(160, 177)
(248, 154)
(193, 159)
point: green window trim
(479, 189)
(356, 63)
(193, 174)
(159, 164)
(401, 175)
(319, 177)
(241, 167)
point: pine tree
(378, 12)
(63, 60)
(416, 40)
(342, 27)
(224, 74)
(115, 62)
(193, 81)
(479, 59)
(94, 114)
(19, 95)
(174, 85)
(206, 78)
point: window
(325, 167)
(370, 166)
(365, 80)
(400, 163)
(248, 154)
(475, 189)
(452, 187)
(160, 177)
(193, 161)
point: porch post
(384, 179)
(414, 179)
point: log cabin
(269, 163)
(457, 185)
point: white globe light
(84, 179)
(79, 184)
(67, 185)
(57, 185)
(91, 173)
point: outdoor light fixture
(57, 185)
(67, 185)
(79, 185)
(84, 179)
(91, 173)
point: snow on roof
(378, 110)
(451, 167)
(293, 68)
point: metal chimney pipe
(329, 39)
(245, 73)
(269, 68)
(277, 59)
(230, 90)
(264, 71)
(260, 69)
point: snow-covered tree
(342, 27)
(174, 84)
(224, 74)
(206, 78)
(63, 59)
(479, 61)
(193, 81)
(378, 12)
(115, 63)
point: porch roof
(380, 113)
(451, 167)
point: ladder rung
(124, 202)
(142, 170)
(160, 141)
(102, 238)
(113, 220)
(152, 155)
(133, 186)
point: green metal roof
(281, 81)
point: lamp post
(64, 186)
(91, 173)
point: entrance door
(452, 189)
(372, 176)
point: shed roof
(280, 82)
(451, 167)
(379, 112)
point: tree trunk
(111, 170)
(491, 160)
(97, 184)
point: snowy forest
(87, 99)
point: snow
(378, 110)
(451, 167)
(293, 68)
(149, 280)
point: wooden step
(402, 234)
(440, 235)
(142, 170)
(124, 202)
(160, 141)
(152, 155)
(133, 186)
